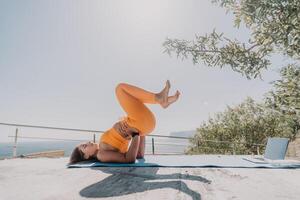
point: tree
(245, 127)
(285, 97)
(274, 25)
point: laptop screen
(276, 148)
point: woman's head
(84, 151)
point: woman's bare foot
(162, 97)
(172, 99)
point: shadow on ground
(130, 180)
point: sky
(60, 62)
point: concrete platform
(49, 179)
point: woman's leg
(132, 100)
(139, 93)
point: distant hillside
(183, 133)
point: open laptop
(275, 151)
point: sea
(161, 146)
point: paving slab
(49, 179)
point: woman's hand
(125, 129)
(128, 129)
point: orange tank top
(113, 138)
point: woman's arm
(128, 157)
(141, 150)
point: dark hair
(76, 156)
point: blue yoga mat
(223, 161)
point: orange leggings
(132, 100)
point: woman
(139, 122)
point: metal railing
(153, 143)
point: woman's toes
(168, 84)
(177, 93)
